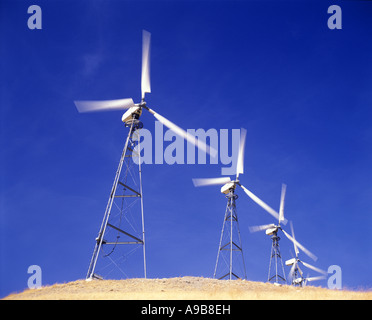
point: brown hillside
(181, 289)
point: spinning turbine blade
(189, 137)
(261, 227)
(210, 181)
(240, 162)
(299, 270)
(281, 209)
(314, 268)
(103, 105)
(316, 278)
(294, 242)
(145, 77)
(291, 272)
(299, 245)
(261, 203)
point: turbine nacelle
(290, 262)
(297, 281)
(230, 186)
(272, 231)
(132, 113)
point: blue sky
(302, 91)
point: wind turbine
(121, 191)
(227, 243)
(272, 230)
(296, 274)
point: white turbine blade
(291, 239)
(261, 203)
(187, 136)
(261, 227)
(299, 245)
(240, 162)
(281, 209)
(145, 77)
(291, 272)
(103, 105)
(316, 278)
(294, 242)
(299, 270)
(210, 181)
(314, 268)
(305, 281)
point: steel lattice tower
(276, 257)
(122, 230)
(123, 220)
(230, 247)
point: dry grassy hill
(183, 288)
